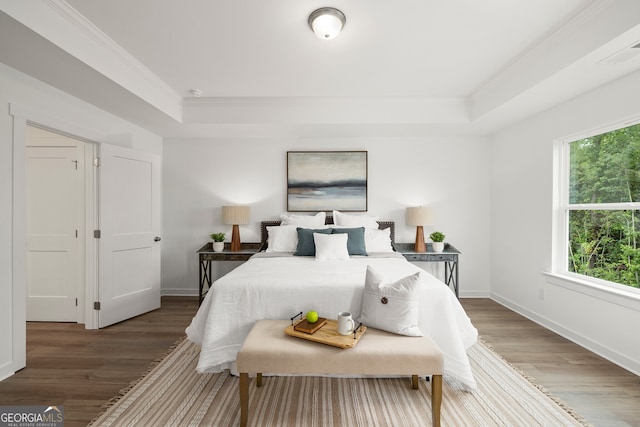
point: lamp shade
(233, 215)
(327, 22)
(419, 216)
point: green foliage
(437, 236)
(604, 243)
(218, 237)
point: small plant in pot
(218, 242)
(438, 241)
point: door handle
(157, 239)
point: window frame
(562, 207)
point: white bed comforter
(280, 287)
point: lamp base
(421, 246)
(235, 238)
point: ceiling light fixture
(327, 22)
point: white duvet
(278, 287)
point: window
(601, 206)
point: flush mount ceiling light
(327, 22)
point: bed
(275, 284)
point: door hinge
(76, 234)
(96, 161)
(76, 302)
(96, 305)
(96, 234)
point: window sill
(622, 297)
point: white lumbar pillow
(377, 240)
(330, 247)
(346, 220)
(392, 307)
(309, 221)
(282, 238)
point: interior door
(129, 244)
(55, 231)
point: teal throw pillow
(355, 240)
(306, 245)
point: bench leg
(436, 396)
(244, 399)
(436, 399)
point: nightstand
(206, 255)
(449, 256)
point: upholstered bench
(267, 349)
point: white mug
(345, 323)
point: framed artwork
(326, 180)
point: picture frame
(327, 181)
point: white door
(129, 243)
(55, 218)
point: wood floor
(81, 369)
(603, 393)
(68, 365)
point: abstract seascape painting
(326, 180)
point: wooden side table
(206, 255)
(449, 256)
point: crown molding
(65, 27)
(565, 29)
(336, 110)
(598, 23)
(82, 24)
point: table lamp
(235, 215)
(419, 216)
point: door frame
(21, 118)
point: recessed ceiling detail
(429, 66)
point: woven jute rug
(174, 394)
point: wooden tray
(328, 334)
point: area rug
(173, 394)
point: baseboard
(178, 292)
(6, 371)
(621, 360)
(475, 294)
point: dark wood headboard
(328, 221)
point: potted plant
(438, 241)
(218, 242)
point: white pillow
(308, 221)
(391, 307)
(377, 240)
(282, 239)
(345, 220)
(330, 247)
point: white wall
(23, 98)
(521, 225)
(201, 175)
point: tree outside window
(603, 209)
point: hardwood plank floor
(82, 370)
(602, 392)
